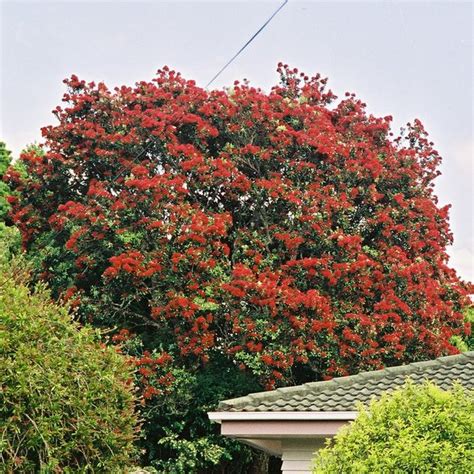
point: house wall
(297, 454)
(295, 441)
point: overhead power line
(246, 44)
(146, 147)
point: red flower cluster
(290, 236)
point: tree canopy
(286, 236)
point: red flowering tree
(282, 234)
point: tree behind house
(237, 240)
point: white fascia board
(280, 415)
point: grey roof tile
(343, 393)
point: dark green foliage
(469, 316)
(185, 444)
(465, 342)
(5, 160)
(414, 429)
(10, 242)
(176, 434)
(66, 401)
(10, 239)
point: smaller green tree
(10, 239)
(66, 400)
(10, 242)
(469, 317)
(466, 342)
(418, 428)
(5, 161)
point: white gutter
(220, 416)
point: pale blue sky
(406, 59)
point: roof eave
(219, 416)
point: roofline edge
(219, 416)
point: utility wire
(145, 148)
(246, 44)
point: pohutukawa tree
(285, 233)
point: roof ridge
(390, 372)
(452, 358)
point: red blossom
(282, 229)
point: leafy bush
(469, 318)
(414, 429)
(5, 161)
(10, 242)
(465, 342)
(10, 238)
(66, 402)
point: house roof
(343, 393)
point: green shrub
(418, 428)
(66, 401)
(10, 242)
(5, 161)
(466, 342)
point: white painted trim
(280, 415)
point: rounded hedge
(66, 400)
(418, 428)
